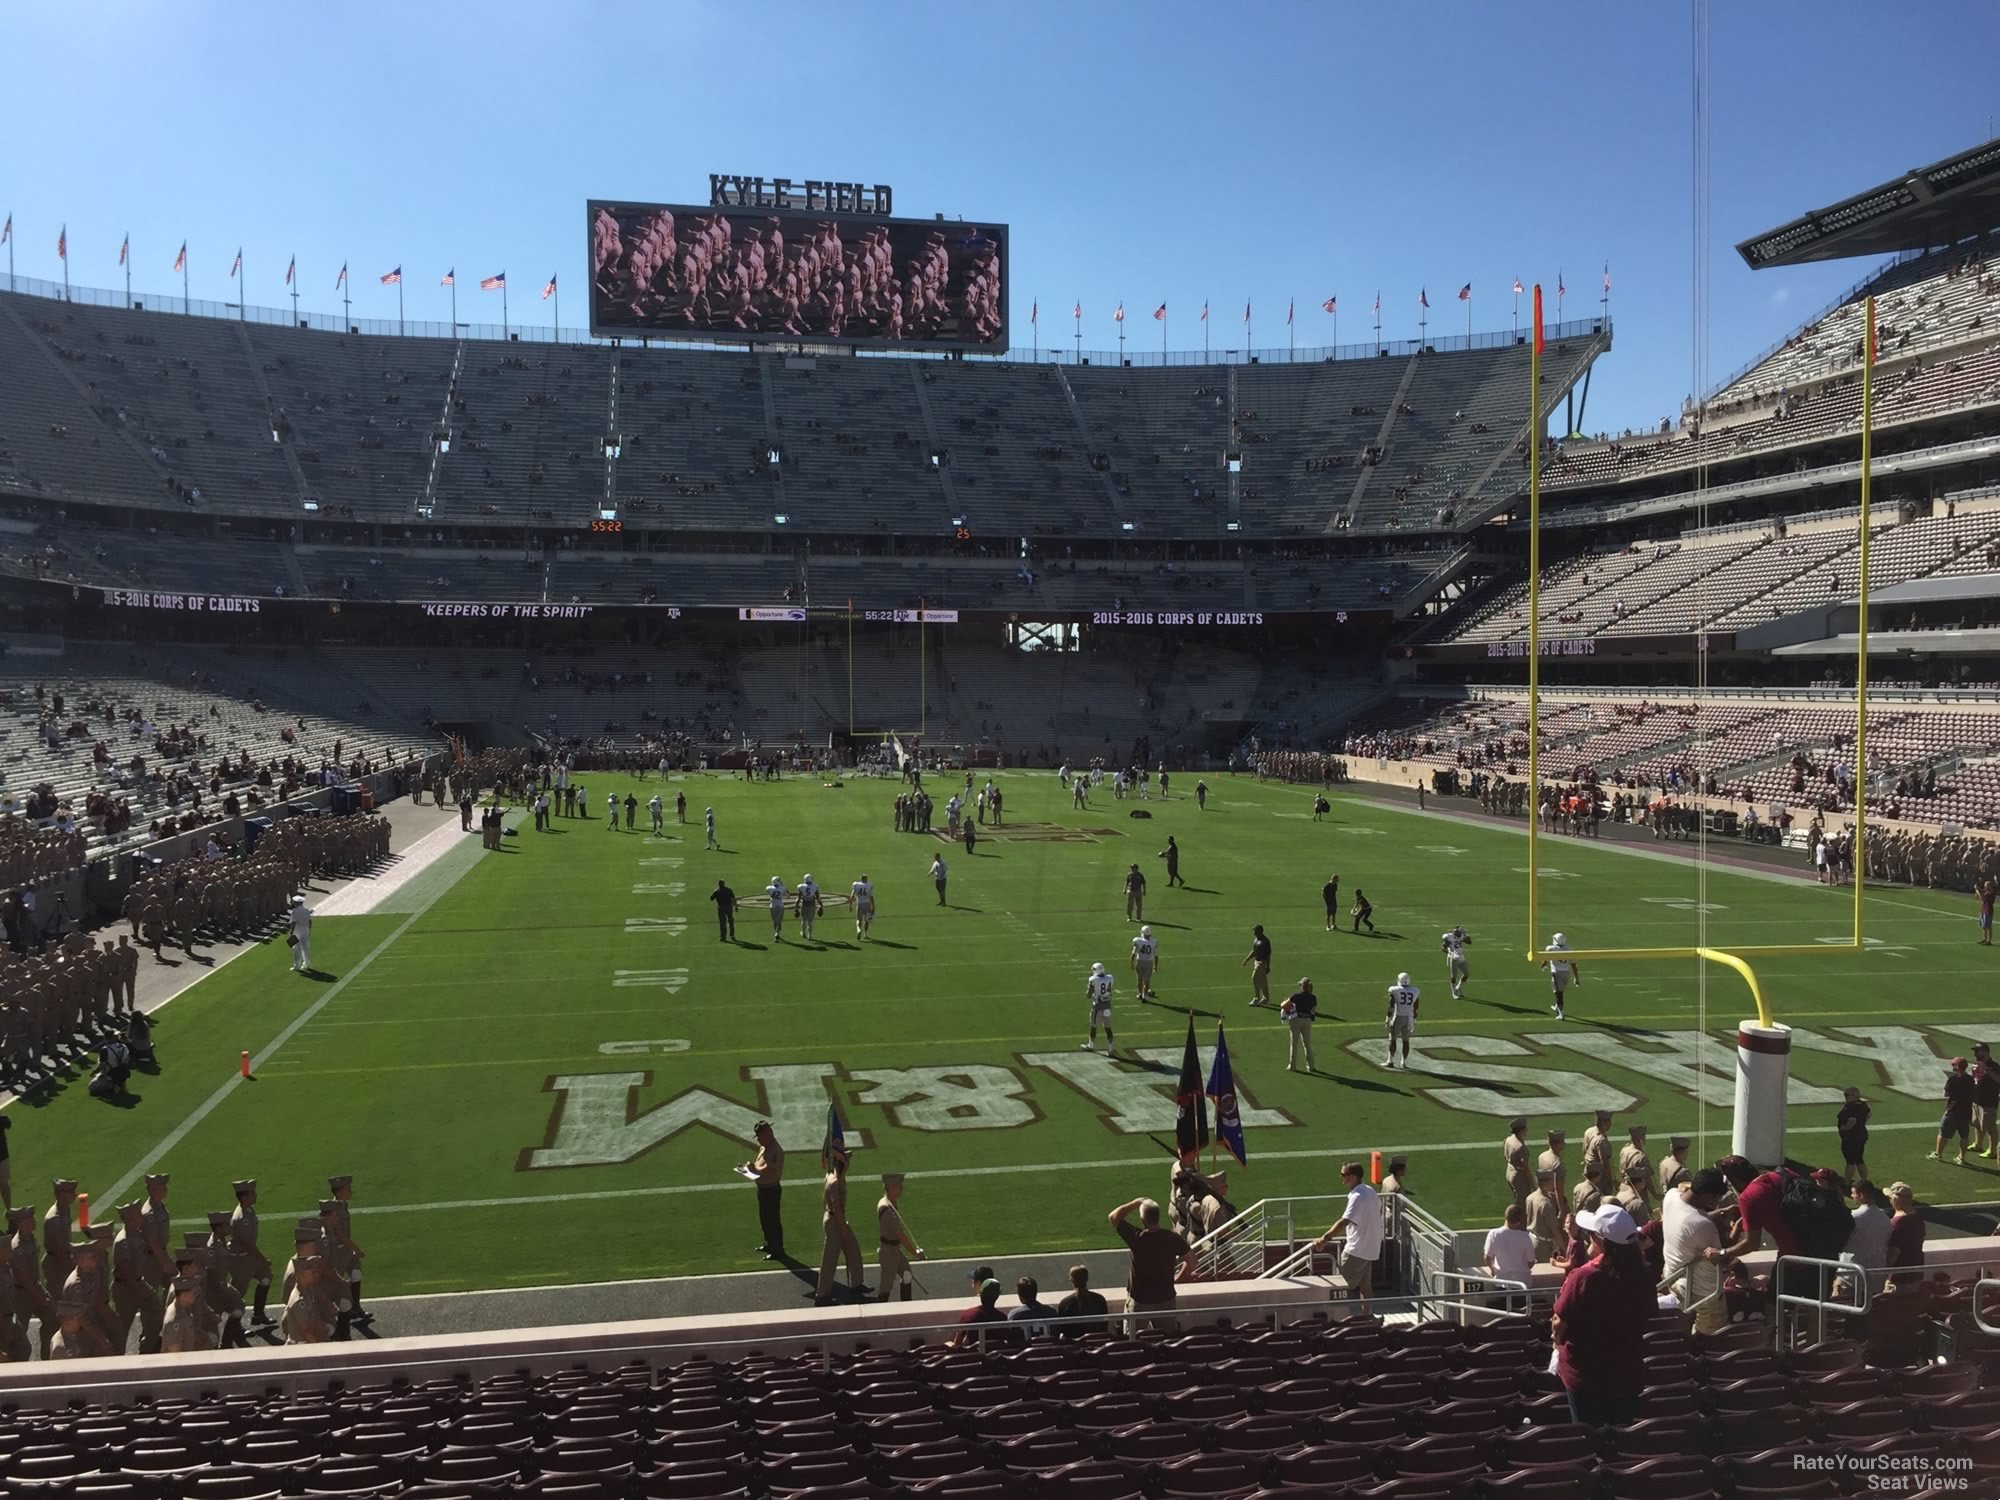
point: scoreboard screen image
(667, 270)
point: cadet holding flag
(839, 1234)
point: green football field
(545, 1073)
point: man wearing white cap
(1604, 1301)
(1563, 972)
(1401, 1016)
(301, 920)
(1097, 990)
(1145, 958)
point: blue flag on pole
(836, 1140)
(1222, 1089)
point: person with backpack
(1803, 1217)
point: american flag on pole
(549, 290)
(62, 243)
(340, 280)
(1204, 313)
(1077, 312)
(7, 230)
(493, 283)
(124, 249)
(1607, 276)
(450, 278)
(1035, 311)
(1246, 310)
(1332, 304)
(1378, 304)
(181, 259)
(1290, 308)
(393, 278)
(1465, 292)
(1517, 286)
(1160, 313)
(1423, 297)
(291, 269)
(237, 264)
(1119, 316)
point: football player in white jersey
(1145, 958)
(777, 893)
(659, 811)
(1401, 1016)
(807, 895)
(1453, 946)
(862, 894)
(1097, 989)
(1563, 972)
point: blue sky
(1154, 152)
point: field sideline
(539, 1074)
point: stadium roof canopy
(1935, 205)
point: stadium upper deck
(249, 419)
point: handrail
(1860, 1278)
(1979, 1304)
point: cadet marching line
(80, 1298)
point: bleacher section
(252, 419)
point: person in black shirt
(1364, 911)
(6, 1165)
(1172, 855)
(725, 912)
(1331, 892)
(1259, 960)
(1300, 1010)
(1985, 1100)
(1083, 1310)
(1852, 1123)
(1957, 1110)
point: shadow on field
(1613, 1026)
(1186, 1010)
(1172, 926)
(1199, 890)
(746, 943)
(1395, 937)
(1512, 1010)
(875, 942)
(1468, 1081)
(1363, 1085)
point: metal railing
(1847, 1272)
(1241, 1248)
(1060, 350)
(1979, 1289)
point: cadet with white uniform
(1454, 945)
(708, 817)
(807, 895)
(1097, 990)
(776, 892)
(659, 811)
(1145, 959)
(302, 926)
(862, 894)
(1401, 1016)
(1563, 972)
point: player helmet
(1559, 941)
(808, 879)
(1097, 968)
(1403, 980)
(1145, 932)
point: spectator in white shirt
(1362, 1219)
(1510, 1249)
(1691, 1243)
(1868, 1244)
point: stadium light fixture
(1127, 526)
(1234, 461)
(1233, 526)
(606, 513)
(312, 505)
(774, 457)
(781, 518)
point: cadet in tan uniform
(1674, 1162)
(1544, 1211)
(183, 1330)
(159, 1225)
(1583, 1194)
(350, 1255)
(309, 1317)
(897, 1249)
(25, 1265)
(1631, 1154)
(14, 1346)
(135, 1276)
(1635, 1196)
(1597, 1153)
(767, 1170)
(76, 1337)
(1514, 1159)
(58, 1256)
(219, 1276)
(1551, 1161)
(89, 1283)
(250, 1262)
(839, 1234)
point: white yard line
(611, 1195)
(360, 897)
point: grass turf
(425, 1069)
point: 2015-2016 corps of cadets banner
(722, 274)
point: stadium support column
(1763, 1070)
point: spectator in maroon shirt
(1604, 1305)
(1957, 1110)
(1759, 1196)
(1906, 1232)
(987, 1310)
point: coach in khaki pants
(1362, 1219)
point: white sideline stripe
(606, 1195)
(298, 1023)
(359, 898)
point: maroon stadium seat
(1935, 1382)
(1866, 1420)
(924, 1461)
(1301, 1397)
(1211, 1474)
(1112, 1410)
(1578, 1483)
(1092, 1480)
(1756, 1393)
(1274, 1432)
(1449, 1454)
(1050, 1449)
(1537, 1447)
(1329, 1464)
(1672, 1477)
(1152, 1442)
(1968, 1412)
(1655, 1437)
(1465, 1417)
(1754, 1431)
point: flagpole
(128, 267)
(1079, 333)
(1204, 333)
(503, 306)
(1121, 338)
(346, 297)
(1468, 322)
(399, 302)
(295, 291)
(454, 301)
(1378, 323)
(187, 302)
(1292, 330)
(1163, 343)
(555, 309)
(65, 259)
(1035, 332)
(1517, 310)
(242, 288)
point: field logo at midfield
(597, 1121)
(1135, 1102)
